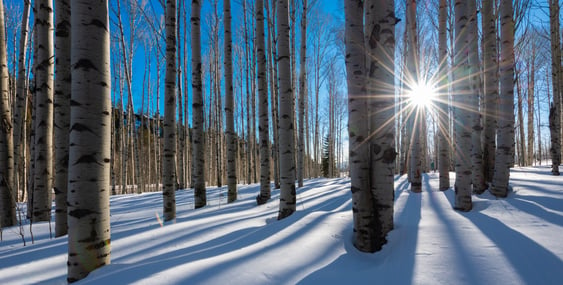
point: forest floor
(516, 240)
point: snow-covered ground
(517, 240)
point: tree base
(261, 200)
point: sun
(422, 95)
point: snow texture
(516, 240)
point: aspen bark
(462, 115)
(556, 75)
(8, 194)
(169, 125)
(90, 139)
(478, 179)
(198, 175)
(62, 112)
(490, 76)
(442, 102)
(263, 129)
(302, 95)
(362, 206)
(415, 120)
(229, 107)
(286, 129)
(380, 46)
(43, 156)
(505, 132)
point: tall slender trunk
(43, 174)
(90, 139)
(198, 175)
(505, 132)
(302, 94)
(264, 131)
(556, 75)
(169, 126)
(229, 106)
(531, 90)
(362, 206)
(477, 171)
(443, 121)
(286, 129)
(462, 115)
(273, 91)
(490, 76)
(62, 112)
(21, 100)
(8, 192)
(417, 115)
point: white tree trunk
(198, 174)
(43, 174)
(505, 132)
(264, 131)
(62, 112)
(302, 94)
(556, 75)
(478, 178)
(169, 126)
(416, 114)
(8, 192)
(229, 107)
(362, 206)
(21, 103)
(462, 114)
(286, 129)
(490, 76)
(442, 102)
(90, 139)
(380, 46)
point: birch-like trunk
(478, 179)
(442, 102)
(21, 103)
(43, 156)
(62, 112)
(462, 120)
(490, 76)
(198, 174)
(531, 95)
(230, 106)
(505, 132)
(273, 92)
(8, 192)
(90, 140)
(555, 109)
(302, 95)
(380, 84)
(169, 125)
(286, 129)
(415, 119)
(264, 131)
(362, 199)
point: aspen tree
(7, 187)
(505, 122)
(62, 112)
(169, 150)
(89, 140)
(198, 174)
(286, 129)
(462, 115)
(43, 156)
(229, 106)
